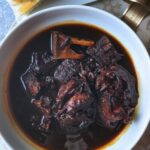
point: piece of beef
(30, 82)
(78, 109)
(107, 117)
(104, 52)
(42, 63)
(66, 89)
(36, 85)
(37, 76)
(89, 69)
(118, 97)
(61, 45)
(78, 114)
(66, 70)
(44, 106)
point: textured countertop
(116, 7)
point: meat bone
(61, 46)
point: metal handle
(136, 12)
(145, 3)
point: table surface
(116, 7)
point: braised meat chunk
(66, 89)
(38, 75)
(77, 110)
(104, 52)
(78, 113)
(30, 82)
(44, 106)
(116, 88)
(66, 70)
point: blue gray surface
(6, 18)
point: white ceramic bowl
(102, 19)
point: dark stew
(73, 87)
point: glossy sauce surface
(96, 136)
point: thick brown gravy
(22, 109)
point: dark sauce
(22, 109)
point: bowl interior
(106, 21)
